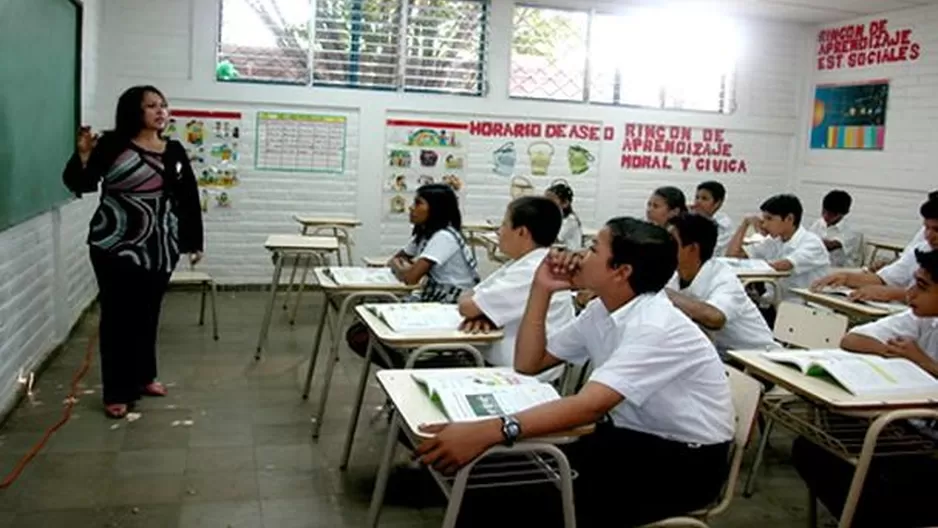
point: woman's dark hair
(128, 120)
(564, 192)
(444, 210)
(673, 197)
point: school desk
(318, 226)
(852, 309)
(473, 230)
(349, 294)
(855, 428)
(291, 246)
(375, 262)
(207, 284)
(890, 247)
(419, 344)
(490, 242)
(527, 462)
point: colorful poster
(295, 142)
(213, 141)
(850, 116)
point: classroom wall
(889, 185)
(45, 278)
(175, 50)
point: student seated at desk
(789, 248)
(663, 204)
(708, 201)
(528, 230)
(571, 230)
(709, 292)
(917, 241)
(897, 492)
(658, 392)
(437, 251)
(889, 283)
(842, 242)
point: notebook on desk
(361, 276)
(481, 394)
(412, 318)
(859, 374)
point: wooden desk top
(824, 392)
(376, 262)
(889, 246)
(479, 225)
(301, 243)
(189, 277)
(326, 283)
(311, 221)
(846, 306)
(416, 409)
(413, 340)
(752, 273)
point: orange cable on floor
(69, 405)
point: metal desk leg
(384, 472)
(274, 284)
(757, 462)
(317, 343)
(286, 298)
(302, 286)
(213, 293)
(202, 304)
(357, 406)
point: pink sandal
(155, 389)
(116, 410)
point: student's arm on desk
(410, 273)
(903, 347)
(702, 313)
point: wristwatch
(511, 429)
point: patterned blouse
(149, 211)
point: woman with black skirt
(148, 216)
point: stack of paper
(361, 276)
(418, 317)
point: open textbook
(844, 292)
(361, 276)
(739, 264)
(479, 394)
(860, 374)
(411, 318)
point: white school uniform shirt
(717, 285)
(901, 273)
(916, 241)
(453, 263)
(503, 297)
(806, 252)
(571, 233)
(849, 255)
(725, 233)
(904, 324)
(672, 380)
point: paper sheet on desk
(417, 317)
(490, 402)
(362, 276)
(746, 264)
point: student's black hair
(564, 192)
(783, 205)
(693, 228)
(929, 209)
(928, 261)
(837, 202)
(715, 188)
(673, 197)
(649, 249)
(444, 210)
(933, 195)
(539, 215)
(128, 119)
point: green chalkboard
(40, 55)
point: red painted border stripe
(427, 124)
(206, 114)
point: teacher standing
(148, 216)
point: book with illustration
(476, 394)
(859, 374)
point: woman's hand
(195, 257)
(87, 140)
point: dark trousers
(130, 298)
(626, 478)
(898, 491)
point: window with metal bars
(582, 55)
(411, 45)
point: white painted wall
(45, 277)
(173, 43)
(889, 185)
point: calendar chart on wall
(296, 142)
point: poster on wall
(213, 142)
(420, 152)
(295, 142)
(850, 116)
(657, 147)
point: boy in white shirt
(709, 292)
(843, 243)
(790, 246)
(658, 388)
(891, 282)
(708, 201)
(896, 492)
(528, 229)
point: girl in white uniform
(571, 230)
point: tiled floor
(231, 445)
